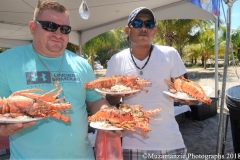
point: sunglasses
(52, 27)
(138, 23)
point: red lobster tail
(26, 102)
(128, 117)
(127, 80)
(190, 87)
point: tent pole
(216, 60)
(226, 59)
(225, 133)
(80, 42)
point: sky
(235, 14)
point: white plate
(103, 126)
(185, 96)
(20, 119)
(126, 92)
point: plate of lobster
(27, 105)
(128, 117)
(5, 118)
(109, 91)
(186, 89)
(118, 84)
(181, 95)
(103, 125)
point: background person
(39, 65)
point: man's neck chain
(141, 72)
(56, 82)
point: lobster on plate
(190, 87)
(130, 80)
(129, 117)
(28, 103)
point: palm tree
(222, 40)
(72, 47)
(206, 40)
(234, 44)
(167, 31)
(235, 39)
(176, 32)
(108, 40)
(3, 49)
(192, 51)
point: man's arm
(96, 105)
(113, 100)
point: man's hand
(7, 129)
(187, 102)
(114, 99)
(123, 95)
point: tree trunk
(92, 58)
(205, 63)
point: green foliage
(72, 47)
(235, 39)
(105, 45)
(194, 40)
(3, 49)
(176, 33)
(107, 41)
(238, 55)
(197, 65)
(104, 55)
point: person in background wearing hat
(154, 63)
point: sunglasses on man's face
(138, 23)
(52, 27)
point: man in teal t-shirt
(37, 66)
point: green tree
(222, 32)
(3, 49)
(192, 51)
(176, 33)
(107, 41)
(205, 38)
(72, 47)
(235, 39)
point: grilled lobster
(190, 87)
(25, 102)
(132, 118)
(127, 80)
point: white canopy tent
(104, 15)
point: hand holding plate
(7, 129)
(187, 102)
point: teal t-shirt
(48, 139)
